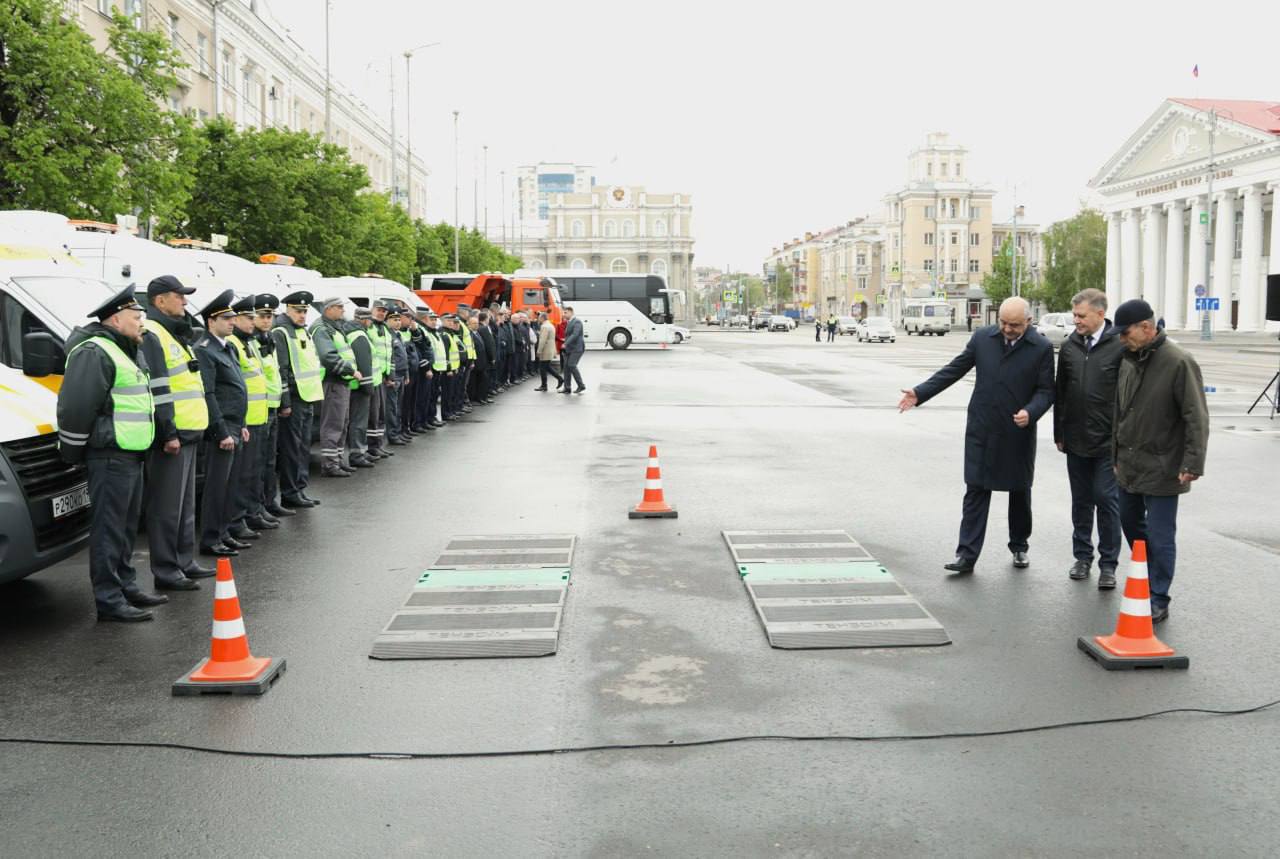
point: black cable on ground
(623, 747)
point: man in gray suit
(574, 346)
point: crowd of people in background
(147, 395)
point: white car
(1056, 327)
(739, 321)
(847, 325)
(778, 322)
(876, 328)
(680, 333)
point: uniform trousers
(268, 484)
(295, 449)
(246, 478)
(571, 360)
(358, 420)
(443, 388)
(423, 397)
(171, 511)
(218, 499)
(333, 421)
(973, 524)
(1153, 518)
(1094, 490)
(115, 503)
(544, 367)
(378, 417)
(392, 394)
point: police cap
(244, 307)
(299, 300)
(265, 303)
(122, 300)
(220, 306)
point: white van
(927, 317)
(364, 290)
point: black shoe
(580, 390)
(960, 565)
(566, 390)
(182, 584)
(347, 467)
(239, 545)
(195, 571)
(335, 471)
(1080, 570)
(1106, 580)
(220, 549)
(243, 532)
(265, 515)
(279, 511)
(144, 599)
(1020, 560)
(397, 442)
(259, 524)
(124, 614)
(1159, 615)
(362, 462)
(541, 388)
(315, 502)
(296, 503)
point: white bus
(616, 309)
(927, 317)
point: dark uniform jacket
(180, 330)
(482, 350)
(84, 400)
(335, 368)
(1086, 397)
(362, 349)
(1162, 420)
(998, 454)
(485, 333)
(506, 339)
(399, 357)
(288, 384)
(224, 389)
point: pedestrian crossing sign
(730, 296)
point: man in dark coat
(1013, 390)
(1088, 363)
(227, 399)
(491, 354)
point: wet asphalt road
(659, 643)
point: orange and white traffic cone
(230, 666)
(654, 506)
(1134, 643)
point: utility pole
(502, 180)
(395, 189)
(486, 192)
(328, 125)
(1206, 319)
(408, 127)
(475, 193)
(457, 224)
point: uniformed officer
(227, 398)
(245, 477)
(330, 338)
(434, 374)
(182, 416)
(106, 420)
(452, 347)
(302, 375)
(399, 375)
(361, 389)
(269, 509)
(469, 354)
(380, 336)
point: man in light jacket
(546, 351)
(574, 346)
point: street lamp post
(457, 228)
(408, 127)
(328, 127)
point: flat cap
(1131, 312)
(122, 300)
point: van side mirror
(42, 355)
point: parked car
(680, 334)
(876, 328)
(739, 321)
(778, 322)
(1056, 327)
(847, 325)
(760, 319)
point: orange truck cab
(444, 293)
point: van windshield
(67, 299)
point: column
(1152, 284)
(1251, 281)
(1274, 264)
(1197, 254)
(1174, 303)
(1130, 259)
(1224, 256)
(1113, 259)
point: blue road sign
(1200, 291)
(1208, 304)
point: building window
(895, 241)
(928, 265)
(928, 211)
(104, 7)
(577, 229)
(133, 11)
(955, 238)
(659, 227)
(175, 104)
(974, 211)
(944, 168)
(578, 264)
(658, 267)
(174, 38)
(628, 229)
(928, 238)
(973, 266)
(610, 229)
(957, 170)
(227, 79)
(1240, 234)
(973, 240)
(1019, 237)
(618, 266)
(928, 169)
(952, 209)
(862, 259)
(202, 53)
(954, 264)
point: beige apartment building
(243, 65)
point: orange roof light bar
(93, 226)
(193, 244)
(276, 259)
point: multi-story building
(243, 65)
(537, 183)
(851, 271)
(618, 229)
(1191, 206)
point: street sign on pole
(1208, 304)
(1200, 290)
(1204, 217)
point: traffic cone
(230, 668)
(1134, 643)
(654, 506)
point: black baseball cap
(167, 283)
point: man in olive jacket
(1088, 364)
(1161, 438)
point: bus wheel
(619, 338)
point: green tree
(1075, 253)
(386, 243)
(286, 191)
(998, 283)
(430, 251)
(475, 253)
(783, 283)
(82, 133)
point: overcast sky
(785, 117)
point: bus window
(658, 308)
(628, 288)
(591, 289)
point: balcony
(184, 75)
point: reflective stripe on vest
(308, 375)
(381, 339)
(468, 344)
(254, 381)
(271, 372)
(455, 350)
(356, 384)
(133, 412)
(439, 358)
(186, 388)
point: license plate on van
(76, 499)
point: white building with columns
(1169, 221)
